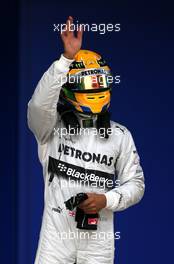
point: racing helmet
(88, 86)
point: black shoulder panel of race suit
(69, 118)
(103, 122)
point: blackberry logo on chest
(85, 156)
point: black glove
(74, 201)
(84, 221)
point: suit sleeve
(42, 108)
(130, 175)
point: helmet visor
(89, 83)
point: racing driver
(74, 95)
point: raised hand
(72, 44)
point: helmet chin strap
(86, 116)
(86, 120)
(76, 120)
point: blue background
(142, 53)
